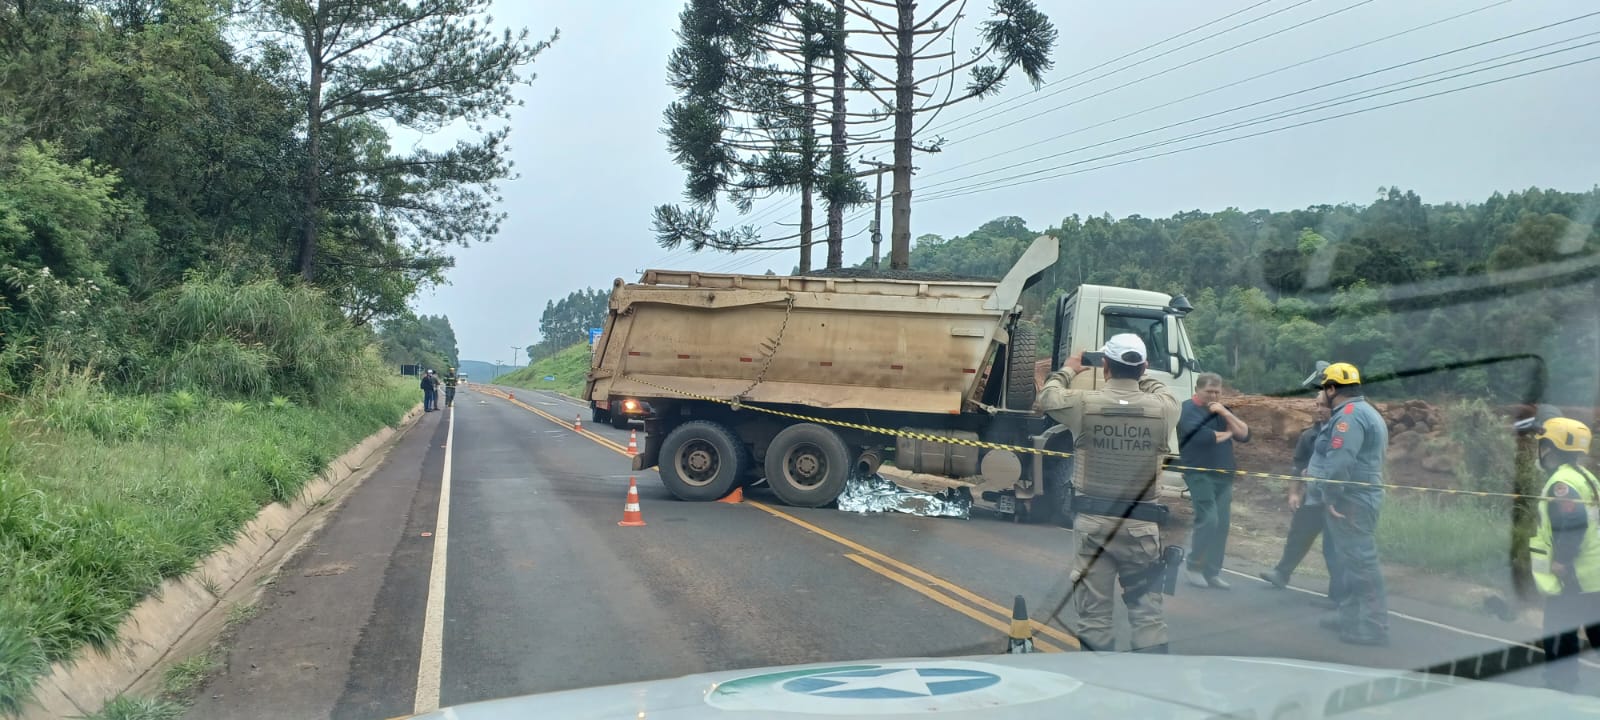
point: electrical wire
(1218, 88)
(995, 107)
(1150, 76)
(1321, 104)
(960, 192)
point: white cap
(1126, 348)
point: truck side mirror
(1176, 361)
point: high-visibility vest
(1584, 489)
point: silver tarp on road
(875, 493)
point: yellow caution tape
(736, 404)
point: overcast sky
(593, 162)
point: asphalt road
(531, 586)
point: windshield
(364, 358)
(1151, 330)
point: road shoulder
(294, 657)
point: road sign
(594, 337)
(549, 378)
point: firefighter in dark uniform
(1565, 549)
(1347, 470)
(1120, 436)
(450, 381)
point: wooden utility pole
(877, 207)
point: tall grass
(568, 367)
(104, 495)
(254, 339)
(1447, 536)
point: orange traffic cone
(631, 517)
(511, 396)
(577, 423)
(633, 442)
(737, 496)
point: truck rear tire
(599, 416)
(620, 421)
(702, 461)
(1021, 353)
(807, 465)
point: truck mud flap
(650, 454)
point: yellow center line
(926, 577)
(608, 443)
(942, 599)
(881, 560)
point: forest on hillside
(1397, 286)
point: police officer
(1305, 501)
(450, 381)
(1348, 469)
(1120, 438)
(1565, 549)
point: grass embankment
(104, 495)
(567, 367)
(1441, 536)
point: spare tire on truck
(807, 465)
(1021, 353)
(702, 461)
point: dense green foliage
(567, 321)
(567, 366)
(80, 546)
(426, 340)
(1395, 286)
(142, 143)
(167, 187)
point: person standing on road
(1207, 430)
(450, 381)
(1565, 549)
(1305, 501)
(430, 392)
(1348, 468)
(1121, 433)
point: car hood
(1044, 686)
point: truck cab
(1088, 316)
(1084, 319)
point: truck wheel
(1020, 356)
(701, 461)
(599, 416)
(807, 465)
(620, 421)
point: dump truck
(795, 379)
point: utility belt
(1132, 510)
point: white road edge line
(431, 664)
(1418, 620)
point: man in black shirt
(1207, 431)
(1307, 522)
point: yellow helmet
(1566, 434)
(1341, 374)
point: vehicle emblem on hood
(900, 687)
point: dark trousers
(1364, 609)
(430, 399)
(1564, 617)
(1212, 496)
(1308, 522)
(449, 395)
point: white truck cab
(1088, 316)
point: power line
(959, 192)
(1279, 114)
(1158, 73)
(992, 109)
(1220, 87)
